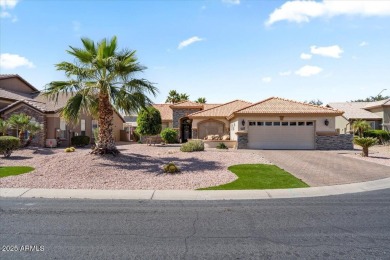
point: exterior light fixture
(326, 122)
(243, 122)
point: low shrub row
(192, 146)
(8, 144)
(80, 140)
(381, 135)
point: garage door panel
(281, 137)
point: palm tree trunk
(106, 139)
(365, 152)
(21, 138)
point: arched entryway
(185, 129)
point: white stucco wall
(233, 129)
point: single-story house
(377, 114)
(19, 96)
(274, 123)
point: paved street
(320, 168)
(335, 227)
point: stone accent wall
(39, 139)
(242, 140)
(194, 133)
(336, 142)
(180, 113)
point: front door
(186, 130)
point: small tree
(4, 125)
(149, 121)
(365, 143)
(20, 122)
(360, 126)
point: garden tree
(360, 126)
(169, 135)
(314, 102)
(372, 98)
(148, 121)
(20, 122)
(101, 79)
(33, 128)
(201, 100)
(4, 125)
(175, 97)
(365, 143)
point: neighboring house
(274, 123)
(377, 114)
(19, 96)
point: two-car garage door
(281, 135)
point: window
(252, 123)
(293, 123)
(301, 123)
(309, 123)
(260, 123)
(94, 124)
(82, 126)
(268, 123)
(276, 123)
(284, 123)
(62, 133)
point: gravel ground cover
(137, 167)
(377, 154)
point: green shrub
(169, 135)
(382, 135)
(8, 144)
(80, 140)
(148, 122)
(69, 150)
(171, 168)
(222, 146)
(192, 146)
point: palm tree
(20, 122)
(33, 129)
(173, 97)
(4, 125)
(201, 100)
(360, 126)
(184, 97)
(100, 80)
(365, 143)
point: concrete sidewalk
(193, 194)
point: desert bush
(192, 146)
(222, 146)
(169, 135)
(70, 149)
(8, 144)
(382, 135)
(80, 140)
(171, 168)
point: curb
(193, 194)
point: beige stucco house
(274, 123)
(19, 96)
(377, 114)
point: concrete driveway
(322, 168)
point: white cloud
(189, 41)
(285, 73)
(232, 2)
(305, 56)
(4, 14)
(333, 51)
(8, 4)
(363, 43)
(307, 71)
(12, 61)
(304, 11)
(266, 79)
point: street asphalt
(350, 226)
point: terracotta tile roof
(186, 104)
(223, 110)
(208, 106)
(385, 102)
(275, 105)
(165, 111)
(7, 94)
(354, 110)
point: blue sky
(222, 49)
